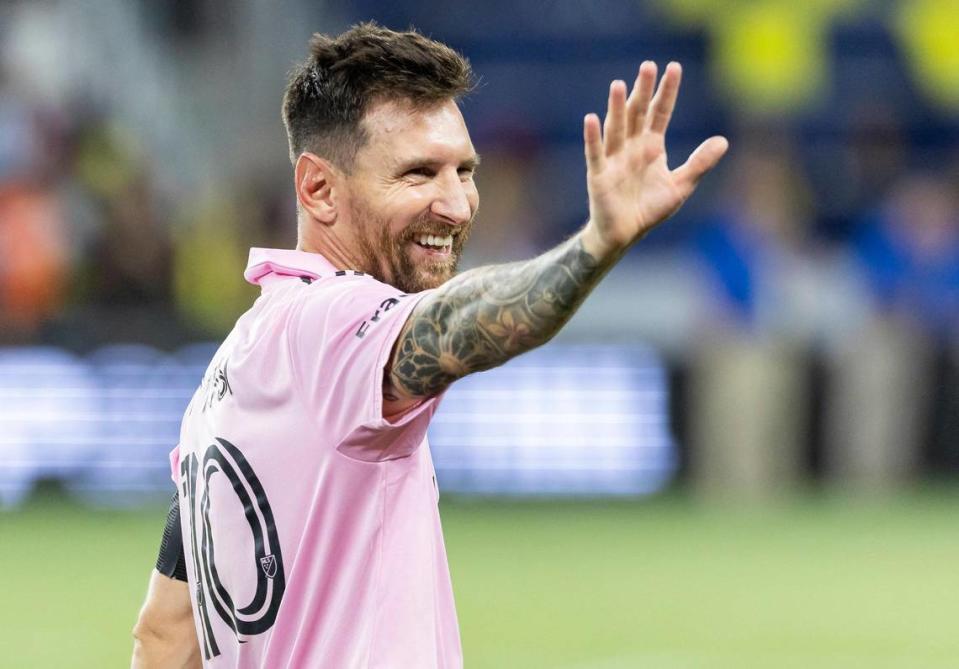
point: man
(307, 496)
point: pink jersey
(310, 524)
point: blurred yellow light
(929, 32)
(770, 57)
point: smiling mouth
(441, 245)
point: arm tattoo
(488, 315)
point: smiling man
(305, 531)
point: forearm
(488, 315)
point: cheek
(413, 198)
(408, 209)
(399, 227)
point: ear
(317, 183)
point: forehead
(396, 130)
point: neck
(315, 237)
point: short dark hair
(330, 92)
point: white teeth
(434, 240)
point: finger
(614, 129)
(593, 143)
(639, 98)
(703, 159)
(661, 109)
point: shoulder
(344, 282)
(350, 296)
(351, 292)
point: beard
(387, 257)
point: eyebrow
(470, 163)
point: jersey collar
(265, 264)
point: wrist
(597, 246)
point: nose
(452, 203)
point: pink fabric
(312, 519)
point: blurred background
(743, 451)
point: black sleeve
(170, 560)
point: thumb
(700, 161)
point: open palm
(631, 188)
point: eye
(421, 171)
(466, 172)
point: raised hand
(631, 188)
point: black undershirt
(170, 561)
